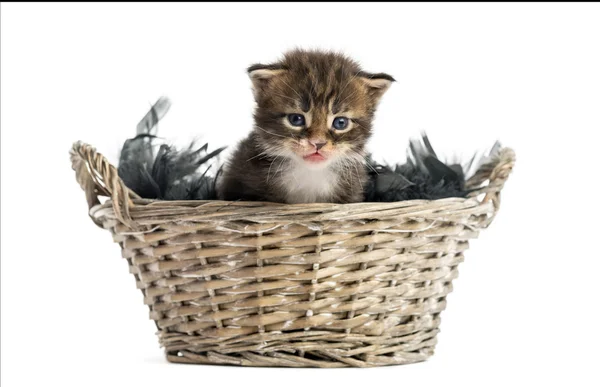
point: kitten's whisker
(294, 90)
(351, 95)
(371, 167)
(358, 175)
(360, 157)
(280, 165)
(269, 171)
(266, 131)
(270, 149)
(346, 85)
(349, 170)
(295, 179)
(277, 155)
(258, 155)
(284, 96)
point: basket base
(294, 361)
(298, 359)
(308, 348)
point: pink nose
(318, 144)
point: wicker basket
(310, 285)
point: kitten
(312, 120)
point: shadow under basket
(308, 285)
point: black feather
(170, 175)
(423, 176)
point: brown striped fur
(268, 165)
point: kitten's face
(315, 108)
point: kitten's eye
(296, 119)
(340, 123)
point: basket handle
(97, 177)
(495, 173)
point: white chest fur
(305, 184)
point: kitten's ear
(261, 74)
(378, 83)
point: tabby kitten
(312, 120)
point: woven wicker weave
(310, 285)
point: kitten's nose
(319, 144)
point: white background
(525, 307)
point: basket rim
(98, 178)
(148, 213)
